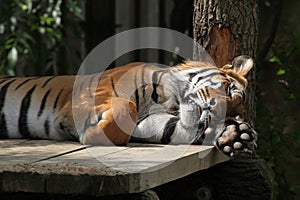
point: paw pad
(236, 137)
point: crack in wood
(61, 154)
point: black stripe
(56, 100)
(113, 87)
(23, 128)
(4, 79)
(192, 75)
(223, 74)
(3, 127)
(155, 83)
(27, 80)
(161, 73)
(22, 83)
(154, 94)
(136, 92)
(3, 93)
(201, 71)
(169, 130)
(199, 79)
(244, 95)
(47, 127)
(205, 94)
(99, 116)
(43, 103)
(47, 81)
(62, 127)
(143, 80)
(143, 118)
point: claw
(232, 154)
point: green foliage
(31, 34)
(278, 142)
(73, 7)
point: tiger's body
(139, 101)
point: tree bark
(226, 29)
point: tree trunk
(232, 180)
(226, 29)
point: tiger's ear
(241, 65)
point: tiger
(138, 102)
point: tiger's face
(217, 92)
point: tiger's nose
(212, 102)
(212, 106)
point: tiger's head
(217, 92)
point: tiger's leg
(165, 128)
(236, 137)
(113, 125)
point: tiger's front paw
(236, 137)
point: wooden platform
(70, 168)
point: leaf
(12, 57)
(28, 37)
(25, 44)
(10, 41)
(281, 72)
(47, 20)
(275, 59)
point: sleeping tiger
(137, 102)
